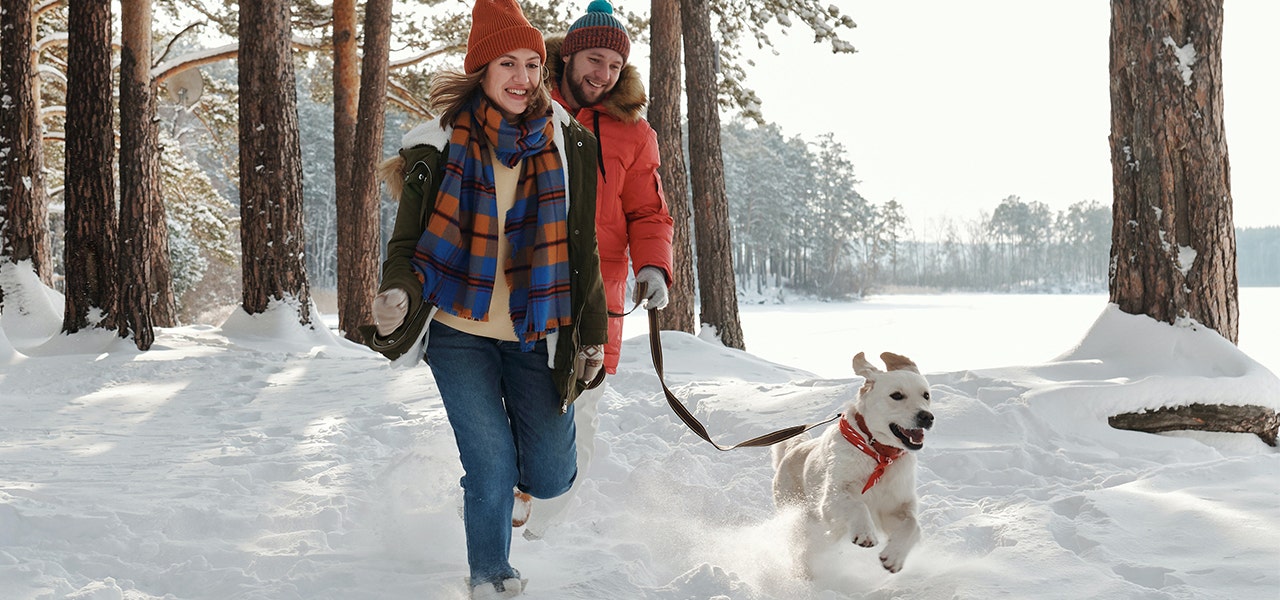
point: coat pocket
(402, 339)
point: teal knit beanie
(597, 29)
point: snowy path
(228, 465)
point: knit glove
(651, 287)
(389, 309)
(588, 362)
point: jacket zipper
(577, 344)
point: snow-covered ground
(256, 460)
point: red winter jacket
(631, 212)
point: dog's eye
(897, 396)
(926, 396)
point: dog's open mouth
(912, 438)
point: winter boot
(496, 590)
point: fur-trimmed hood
(625, 103)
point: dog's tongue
(915, 435)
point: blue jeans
(505, 412)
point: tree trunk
(346, 97)
(24, 211)
(346, 93)
(92, 297)
(1173, 246)
(146, 291)
(1173, 249)
(358, 229)
(664, 116)
(719, 291)
(271, 233)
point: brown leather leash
(768, 439)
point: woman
(493, 268)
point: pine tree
(92, 296)
(271, 232)
(24, 213)
(1173, 242)
(146, 290)
(664, 116)
(1173, 245)
(358, 224)
(716, 282)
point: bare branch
(44, 7)
(172, 40)
(191, 60)
(424, 55)
(53, 39)
(405, 99)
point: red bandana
(883, 454)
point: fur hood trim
(625, 103)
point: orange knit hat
(498, 27)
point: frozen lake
(955, 332)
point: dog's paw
(892, 561)
(865, 539)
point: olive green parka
(414, 179)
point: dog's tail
(781, 449)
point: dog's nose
(924, 419)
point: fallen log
(1258, 420)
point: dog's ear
(862, 367)
(897, 362)
(866, 370)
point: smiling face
(894, 403)
(511, 80)
(589, 75)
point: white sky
(949, 106)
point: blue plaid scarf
(456, 257)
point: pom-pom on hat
(597, 29)
(498, 27)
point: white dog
(857, 480)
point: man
(591, 78)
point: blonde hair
(451, 91)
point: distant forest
(799, 224)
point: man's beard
(580, 91)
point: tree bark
(664, 116)
(271, 232)
(346, 97)
(24, 211)
(1173, 250)
(146, 289)
(358, 228)
(346, 92)
(92, 298)
(1204, 417)
(719, 291)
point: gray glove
(651, 287)
(588, 362)
(389, 309)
